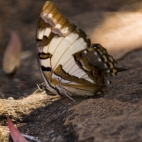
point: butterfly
(69, 64)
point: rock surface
(114, 117)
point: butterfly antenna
(70, 97)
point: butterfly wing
(69, 64)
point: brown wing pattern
(69, 64)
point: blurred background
(116, 24)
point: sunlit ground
(120, 32)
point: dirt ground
(114, 117)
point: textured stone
(106, 120)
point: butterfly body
(68, 63)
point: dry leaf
(12, 55)
(16, 135)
